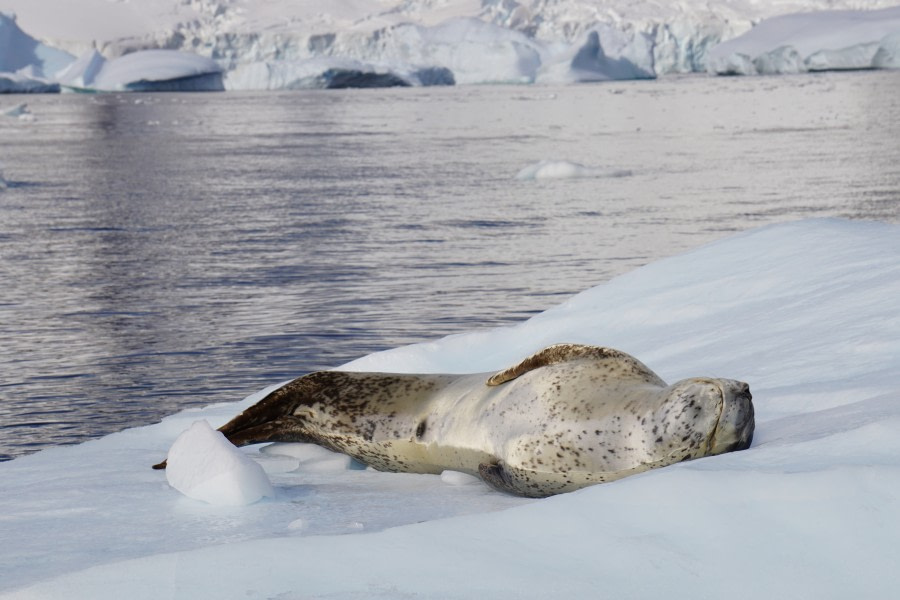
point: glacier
(287, 45)
(805, 311)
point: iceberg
(19, 111)
(143, 71)
(816, 41)
(26, 64)
(19, 51)
(806, 312)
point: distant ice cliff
(278, 44)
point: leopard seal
(564, 418)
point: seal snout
(736, 423)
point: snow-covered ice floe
(817, 41)
(806, 312)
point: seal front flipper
(512, 481)
(561, 353)
(541, 484)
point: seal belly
(446, 431)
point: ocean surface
(162, 251)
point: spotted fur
(564, 418)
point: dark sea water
(173, 250)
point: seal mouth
(734, 429)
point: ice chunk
(458, 478)
(564, 169)
(312, 458)
(203, 465)
(19, 111)
(16, 111)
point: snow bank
(203, 465)
(805, 312)
(819, 41)
(564, 169)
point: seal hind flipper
(260, 422)
(277, 404)
(560, 353)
